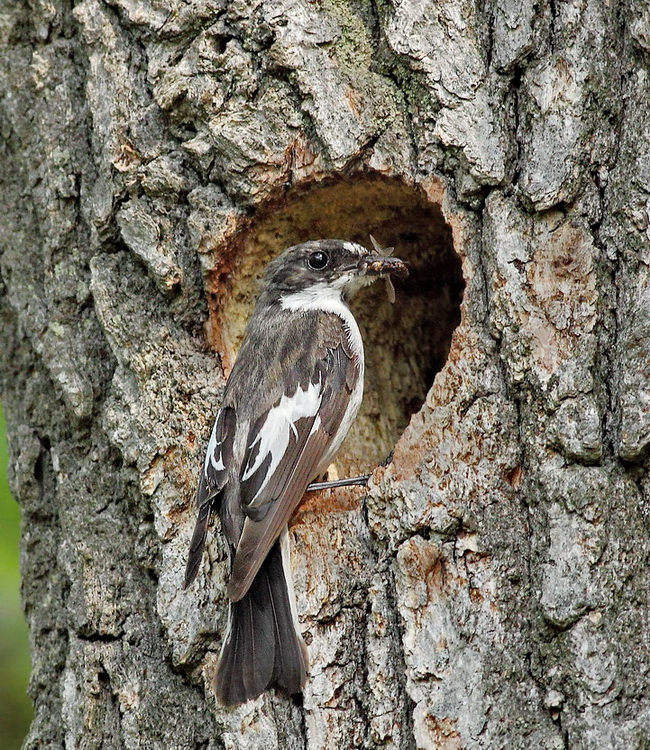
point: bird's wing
(284, 450)
(218, 458)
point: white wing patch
(273, 437)
(213, 454)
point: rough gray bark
(491, 588)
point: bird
(293, 392)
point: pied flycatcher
(291, 397)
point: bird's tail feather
(262, 647)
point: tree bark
(490, 588)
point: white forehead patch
(352, 247)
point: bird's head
(328, 267)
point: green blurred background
(15, 706)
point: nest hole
(407, 343)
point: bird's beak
(375, 265)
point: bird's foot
(361, 480)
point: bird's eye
(318, 260)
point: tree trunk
(490, 588)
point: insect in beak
(386, 266)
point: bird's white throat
(320, 296)
(326, 298)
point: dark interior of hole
(406, 343)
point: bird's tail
(262, 647)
